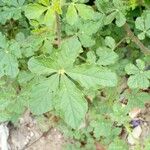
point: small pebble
(21, 120)
(134, 136)
(134, 112)
(31, 134)
(28, 137)
(59, 136)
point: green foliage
(9, 52)
(139, 76)
(137, 99)
(113, 10)
(11, 10)
(117, 145)
(143, 24)
(75, 60)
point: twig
(35, 141)
(134, 39)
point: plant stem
(82, 58)
(58, 29)
(120, 42)
(134, 39)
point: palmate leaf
(43, 13)
(106, 56)
(139, 78)
(113, 10)
(11, 9)
(61, 59)
(85, 32)
(68, 98)
(143, 24)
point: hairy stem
(134, 39)
(58, 29)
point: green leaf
(42, 95)
(70, 50)
(118, 145)
(90, 76)
(44, 2)
(141, 36)
(140, 64)
(91, 57)
(147, 74)
(110, 18)
(137, 99)
(86, 40)
(85, 12)
(56, 5)
(148, 33)
(5, 116)
(61, 59)
(142, 24)
(147, 21)
(119, 114)
(41, 15)
(72, 103)
(3, 41)
(139, 76)
(120, 19)
(8, 65)
(139, 23)
(49, 18)
(34, 11)
(10, 104)
(131, 69)
(12, 9)
(24, 77)
(138, 81)
(41, 65)
(86, 32)
(15, 50)
(102, 128)
(71, 16)
(106, 56)
(110, 42)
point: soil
(28, 135)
